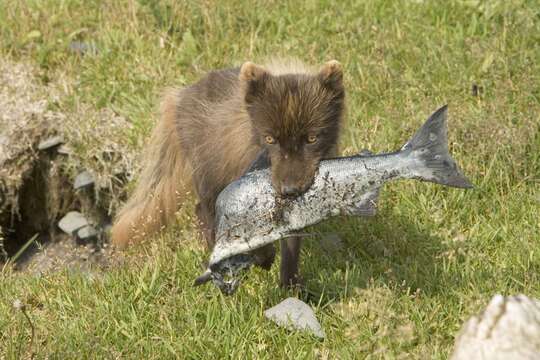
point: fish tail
(430, 146)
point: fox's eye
(312, 139)
(269, 139)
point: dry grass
(31, 114)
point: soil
(38, 170)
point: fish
(251, 214)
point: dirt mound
(53, 163)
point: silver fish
(250, 214)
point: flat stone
(64, 150)
(86, 234)
(332, 242)
(84, 179)
(50, 142)
(292, 313)
(72, 222)
(82, 48)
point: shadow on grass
(387, 250)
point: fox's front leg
(290, 257)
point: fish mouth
(226, 274)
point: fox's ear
(252, 72)
(331, 74)
(254, 79)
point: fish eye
(269, 139)
(312, 139)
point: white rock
(50, 142)
(87, 233)
(64, 150)
(72, 222)
(84, 179)
(509, 328)
(295, 314)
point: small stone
(82, 48)
(64, 150)
(86, 234)
(295, 314)
(84, 179)
(331, 242)
(18, 305)
(50, 142)
(72, 222)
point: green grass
(407, 279)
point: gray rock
(295, 314)
(332, 243)
(50, 142)
(72, 222)
(86, 234)
(64, 150)
(84, 179)
(82, 48)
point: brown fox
(282, 114)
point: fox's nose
(289, 190)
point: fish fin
(430, 146)
(203, 278)
(364, 152)
(368, 205)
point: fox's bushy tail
(430, 146)
(162, 184)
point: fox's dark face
(296, 117)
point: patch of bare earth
(53, 163)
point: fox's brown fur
(211, 131)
